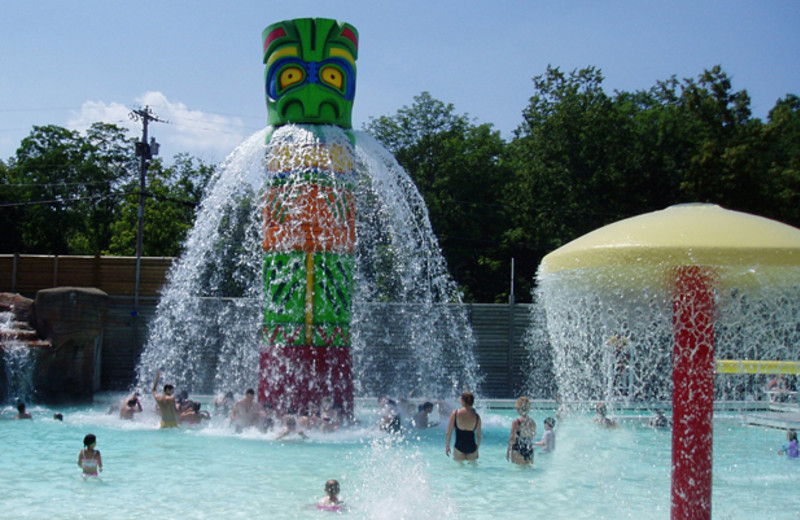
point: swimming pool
(213, 472)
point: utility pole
(146, 151)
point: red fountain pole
(693, 393)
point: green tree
(62, 185)
(568, 159)
(582, 158)
(781, 136)
(724, 165)
(67, 193)
(456, 166)
(172, 194)
(9, 238)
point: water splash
(610, 332)
(397, 484)
(407, 334)
(18, 360)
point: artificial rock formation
(63, 328)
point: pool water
(213, 472)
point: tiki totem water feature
(309, 214)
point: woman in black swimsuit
(523, 432)
(467, 424)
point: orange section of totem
(309, 217)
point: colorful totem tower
(309, 214)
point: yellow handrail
(750, 366)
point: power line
(62, 201)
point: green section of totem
(311, 71)
(285, 276)
(333, 275)
(284, 287)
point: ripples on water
(211, 472)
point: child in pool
(89, 459)
(548, 442)
(790, 449)
(290, 422)
(331, 502)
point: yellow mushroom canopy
(681, 235)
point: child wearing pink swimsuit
(89, 459)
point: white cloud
(208, 136)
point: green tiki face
(311, 71)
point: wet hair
(196, 407)
(468, 398)
(21, 407)
(89, 439)
(168, 387)
(132, 401)
(250, 391)
(332, 487)
(58, 417)
(524, 404)
(791, 435)
(229, 394)
(550, 422)
(427, 405)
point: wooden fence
(498, 328)
(116, 275)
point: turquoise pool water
(213, 472)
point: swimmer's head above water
(89, 440)
(332, 488)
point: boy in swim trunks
(245, 411)
(166, 404)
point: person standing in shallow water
(166, 404)
(790, 449)
(246, 411)
(467, 425)
(523, 435)
(89, 459)
(22, 412)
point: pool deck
(781, 416)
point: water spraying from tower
(312, 268)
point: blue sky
(198, 63)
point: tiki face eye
(290, 76)
(332, 76)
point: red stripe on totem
(274, 35)
(350, 35)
